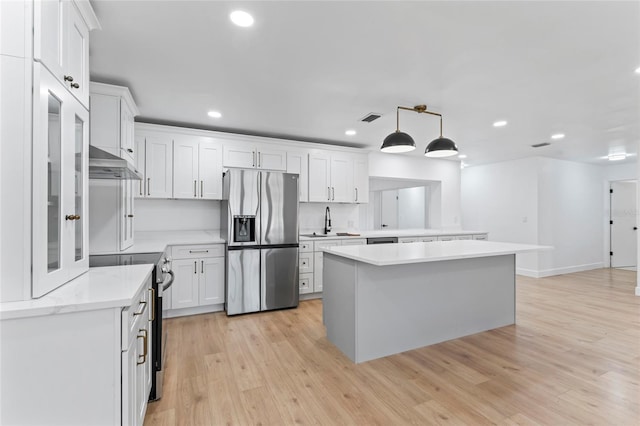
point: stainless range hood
(103, 165)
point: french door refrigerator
(259, 221)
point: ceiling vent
(371, 117)
(540, 145)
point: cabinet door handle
(153, 304)
(195, 188)
(356, 194)
(328, 193)
(145, 350)
(75, 86)
(258, 159)
(201, 189)
(148, 186)
(253, 164)
(198, 251)
(141, 187)
(130, 150)
(195, 266)
(333, 190)
(202, 266)
(129, 215)
(143, 306)
(68, 78)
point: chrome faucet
(327, 220)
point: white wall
(445, 195)
(176, 215)
(541, 201)
(570, 216)
(502, 199)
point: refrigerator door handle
(263, 279)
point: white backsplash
(176, 215)
(344, 217)
(193, 215)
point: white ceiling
(310, 70)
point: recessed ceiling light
(241, 18)
(214, 114)
(462, 156)
(350, 132)
(557, 136)
(500, 123)
(617, 157)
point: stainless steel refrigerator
(259, 221)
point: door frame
(608, 241)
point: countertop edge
(54, 303)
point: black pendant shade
(398, 142)
(402, 142)
(441, 147)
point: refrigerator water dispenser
(244, 229)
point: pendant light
(398, 141)
(402, 142)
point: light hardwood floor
(573, 357)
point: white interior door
(624, 243)
(389, 209)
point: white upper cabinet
(361, 178)
(331, 177)
(210, 170)
(60, 185)
(319, 176)
(342, 178)
(158, 170)
(112, 120)
(253, 156)
(197, 168)
(298, 162)
(61, 42)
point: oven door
(159, 340)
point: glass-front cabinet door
(78, 256)
(60, 171)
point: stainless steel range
(162, 279)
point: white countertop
(157, 241)
(399, 254)
(100, 288)
(391, 233)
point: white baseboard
(174, 313)
(310, 296)
(558, 271)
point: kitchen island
(380, 300)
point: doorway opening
(623, 224)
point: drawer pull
(145, 352)
(143, 306)
(198, 251)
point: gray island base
(380, 301)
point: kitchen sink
(314, 235)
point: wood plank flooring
(573, 357)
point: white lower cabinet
(136, 360)
(199, 276)
(317, 272)
(482, 237)
(306, 283)
(84, 367)
(318, 255)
